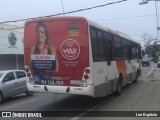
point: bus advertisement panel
(56, 52)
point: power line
(79, 7)
(83, 9)
(127, 17)
(132, 17)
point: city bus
(75, 55)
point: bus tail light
(86, 77)
(87, 71)
(27, 69)
(29, 75)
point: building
(11, 47)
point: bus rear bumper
(62, 89)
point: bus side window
(124, 49)
(94, 44)
(139, 52)
(129, 49)
(134, 51)
(97, 42)
(130, 53)
(108, 47)
(108, 50)
(117, 48)
(100, 45)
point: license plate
(52, 82)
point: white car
(13, 82)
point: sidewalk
(154, 74)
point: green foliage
(150, 45)
(152, 49)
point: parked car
(158, 63)
(13, 82)
(145, 61)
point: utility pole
(62, 7)
(157, 16)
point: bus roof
(90, 22)
(47, 19)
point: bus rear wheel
(136, 80)
(119, 87)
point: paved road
(136, 97)
(144, 96)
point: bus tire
(119, 87)
(136, 80)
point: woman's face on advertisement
(41, 37)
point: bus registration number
(52, 82)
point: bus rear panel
(67, 69)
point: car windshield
(1, 73)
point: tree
(148, 42)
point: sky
(128, 17)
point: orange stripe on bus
(121, 66)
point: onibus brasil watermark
(21, 114)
